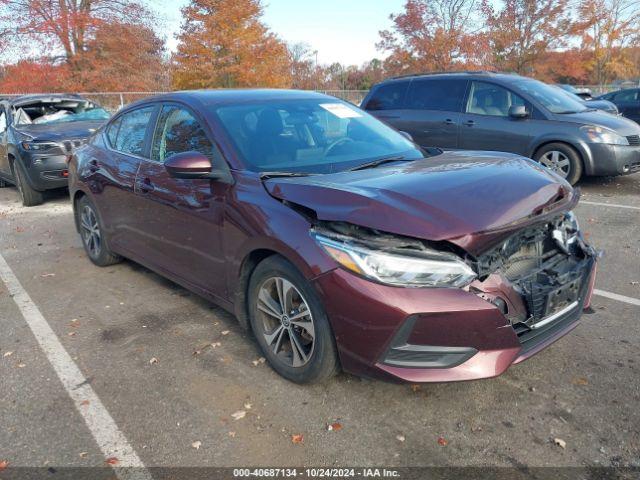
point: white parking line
(615, 296)
(601, 204)
(108, 436)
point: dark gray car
(38, 133)
(509, 113)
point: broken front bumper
(431, 334)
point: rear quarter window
(388, 97)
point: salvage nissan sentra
(334, 238)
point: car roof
(472, 74)
(231, 96)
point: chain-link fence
(113, 101)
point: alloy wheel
(287, 322)
(91, 235)
(557, 161)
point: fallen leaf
(7, 354)
(635, 283)
(580, 381)
(215, 344)
(112, 461)
(71, 334)
(239, 414)
(196, 352)
(84, 403)
(259, 361)
(153, 360)
(248, 406)
(83, 454)
(297, 438)
(232, 434)
(196, 444)
(225, 332)
(442, 441)
(400, 438)
(415, 388)
(3, 464)
(560, 442)
(45, 275)
(21, 365)
(334, 427)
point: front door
(182, 218)
(486, 124)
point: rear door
(486, 124)
(433, 110)
(114, 176)
(182, 218)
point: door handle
(146, 186)
(448, 121)
(469, 123)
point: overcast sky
(344, 31)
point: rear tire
(290, 323)
(92, 234)
(30, 196)
(562, 159)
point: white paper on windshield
(340, 110)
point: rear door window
(437, 94)
(388, 97)
(133, 128)
(491, 99)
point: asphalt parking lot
(171, 370)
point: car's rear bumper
(429, 335)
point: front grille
(71, 145)
(634, 140)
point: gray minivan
(509, 113)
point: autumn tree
(76, 36)
(223, 43)
(608, 28)
(303, 68)
(520, 32)
(431, 35)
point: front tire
(562, 159)
(290, 323)
(92, 234)
(30, 197)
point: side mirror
(406, 135)
(518, 111)
(188, 165)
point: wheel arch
(582, 150)
(77, 196)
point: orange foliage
(223, 43)
(29, 76)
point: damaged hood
(56, 132)
(462, 197)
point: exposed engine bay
(534, 274)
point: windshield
(554, 100)
(310, 136)
(50, 112)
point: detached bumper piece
(405, 355)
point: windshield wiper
(267, 175)
(380, 161)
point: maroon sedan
(337, 240)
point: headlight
(603, 135)
(424, 269)
(39, 146)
